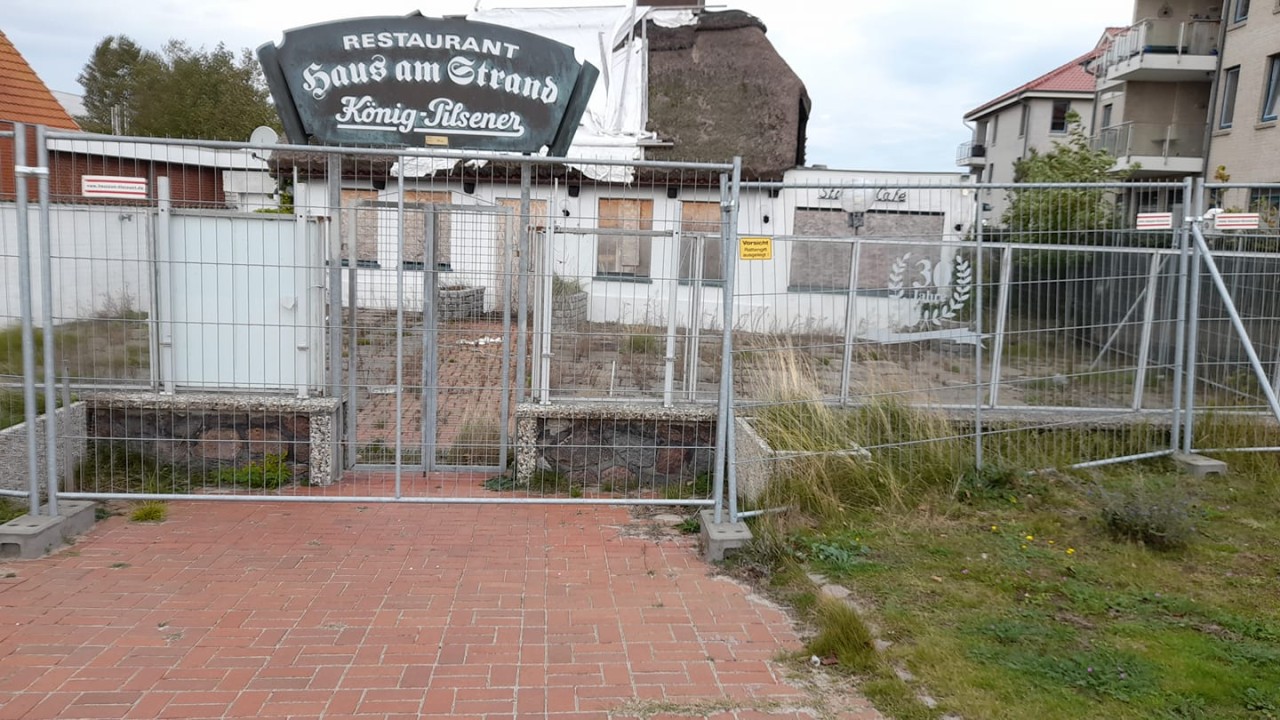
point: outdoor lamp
(855, 202)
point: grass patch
(479, 444)
(270, 473)
(1123, 594)
(10, 509)
(637, 343)
(842, 637)
(152, 511)
(1013, 591)
(13, 407)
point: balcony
(971, 154)
(1161, 51)
(1150, 149)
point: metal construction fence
(231, 321)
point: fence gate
(429, 338)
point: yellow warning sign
(755, 248)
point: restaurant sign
(420, 81)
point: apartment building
(1155, 85)
(1243, 139)
(1190, 89)
(1032, 116)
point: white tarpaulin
(613, 125)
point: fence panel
(1232, 411)
(910, 336)
(317, 324)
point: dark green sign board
(427, 82)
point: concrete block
(78, 515)
(720, 538)
(1199, 466)
(28, 537)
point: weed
(563, 287)
(10, 509)
(836, 553)
(150, 511)
(1157, 515)
(270, 473)
(478, 445)
(691, 525)
(842, 635)
(641, 344)
(113, 468)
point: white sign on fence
(1155, 221)
(113, 186)
(1236, 221)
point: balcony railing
(971, 153)
(1163, 37)
(1130, 140)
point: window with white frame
(1058, 121)
(1025, 121)
(1230, 81)
(618, 254)
(1271, 96)
(1242, 11)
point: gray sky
(890, 81)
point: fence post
(978, 279)
(21, 172)
(46, 291)
(735, 197)
(1191, 211)
(1193, 330)
(333, 179)
(522, 282)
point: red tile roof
(1069, 77)
(23, 96)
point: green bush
(150, 511)
(1160, 516)
(269, 474)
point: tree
(1072, 216)
(1047, 282)
(109, 80)
(179, 92)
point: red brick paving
(233, 610)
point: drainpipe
(1213, 96)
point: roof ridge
(23, 95)
(1039, 83)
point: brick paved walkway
(238, 610)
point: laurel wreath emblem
(935, 313)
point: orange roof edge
(23, 95)
(1070, 77)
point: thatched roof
(720, 89)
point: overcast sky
(890, 81)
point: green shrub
(1160, 516)
(479, 443)
(10, 509)
(269, 474)
(150, 511)
(844, 636)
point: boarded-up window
(818, 266)
(700, 224)
(363, 221)
(619, 254)
(538, 219)
(416, 216)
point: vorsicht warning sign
(755, 248)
